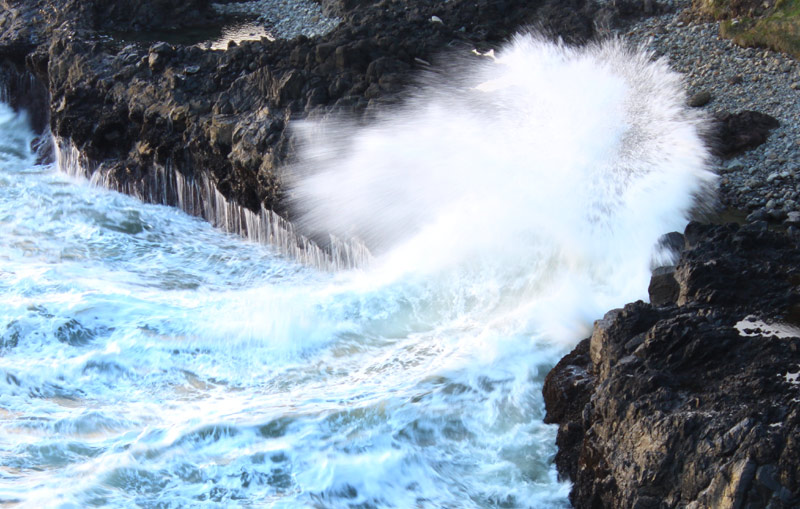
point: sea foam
(548, 168)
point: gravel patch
(284, 19)
(764, 181)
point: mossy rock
(779, 30)
(774, 24)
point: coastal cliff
(131, 105)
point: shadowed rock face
(25, 24)
(735, 133)
(126, 14)
(674, 406)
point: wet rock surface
(670, 404)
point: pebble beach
(763, 182)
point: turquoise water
(148, 360)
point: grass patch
(716, 9)
(729, 9)
(777, 29)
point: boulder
(700, 99)
(734, 133)
(663, 289)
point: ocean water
(150, 360)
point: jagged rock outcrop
(686, 404)
(133, 106)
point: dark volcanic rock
(663, 289)
(673, 406)
(736, 132)
(134, 107)
(25, 92)
(140, 15)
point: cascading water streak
(200, 197)
(149, 360)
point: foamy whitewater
(149, 360)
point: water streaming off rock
(199, 197)
(149, 360)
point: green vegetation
(771, 25)
(729, 9)
(717, 9)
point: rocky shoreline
(763, 181)
(693, 402)
(130, 106)
(668, 404)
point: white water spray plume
(547, 161)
